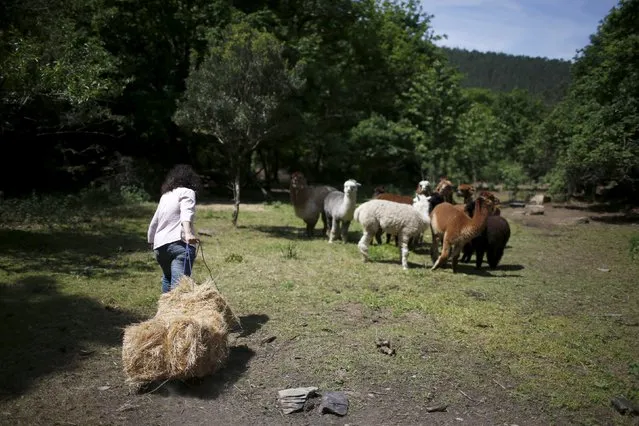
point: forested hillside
(110, 94)
(548, 78)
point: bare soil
(87, 388)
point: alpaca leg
(468, 252)
(441, 260)
(362, 245)
(479, 257)
(494, 256)
(310, 226)
(329, 225)
(433, 247)
(345, 226)
(333, 231)
(455, 257)
(324, 222)
(404, 250)
(378, 236)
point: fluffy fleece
(339, 208)
(405, 221)
(308, 201)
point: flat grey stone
(293, 399)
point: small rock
(334, 403)
(533, 209)
(293, 399)
(576, 221)
(436, 408)
(384, 347)
(103, 388)
(603, 269)
(624, 406)
(537, 199)
(266, 340)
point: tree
(235, 94)
(603, 122)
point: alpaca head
(423, 187)
(486, 202)
(465, 191)
(298, 181)
(378, 190)
(493, 199)
(350, 186)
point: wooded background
(111, 93)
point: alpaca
(466, 192)
(308, 202)
(491, 241)
(405, 221)
(456, 229)
(445, 189)
(422, 191)
(381, 194)
(339, 207)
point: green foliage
(289, 251)
(234, 258)
(546, 78)
(512, 175)
(234, 95)
(479, 147)
(66, 210)
(385, 147)
(603, 122)
(132, 194)
(433, 104)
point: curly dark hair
(181, 175)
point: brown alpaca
(308, 201)
(445, 189)
(466, 192)
(456, 229)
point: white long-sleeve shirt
(175, 207)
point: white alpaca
(423, 190)
(339, 207)
(405, 221)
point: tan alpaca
(456, 228)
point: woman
(171, 229)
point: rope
(204, 261)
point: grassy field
(547, 338)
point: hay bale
(187, 337)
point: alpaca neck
(478, 221)
(348, 204)
(299, 196)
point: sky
(553, 29)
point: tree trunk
(236, 196)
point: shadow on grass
(485, 271)
(619, 219)
(299, 233)
(209, 387)
(67, 252)
(286, 232)
(44, 331)
(252, 323)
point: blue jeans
(174, 262)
